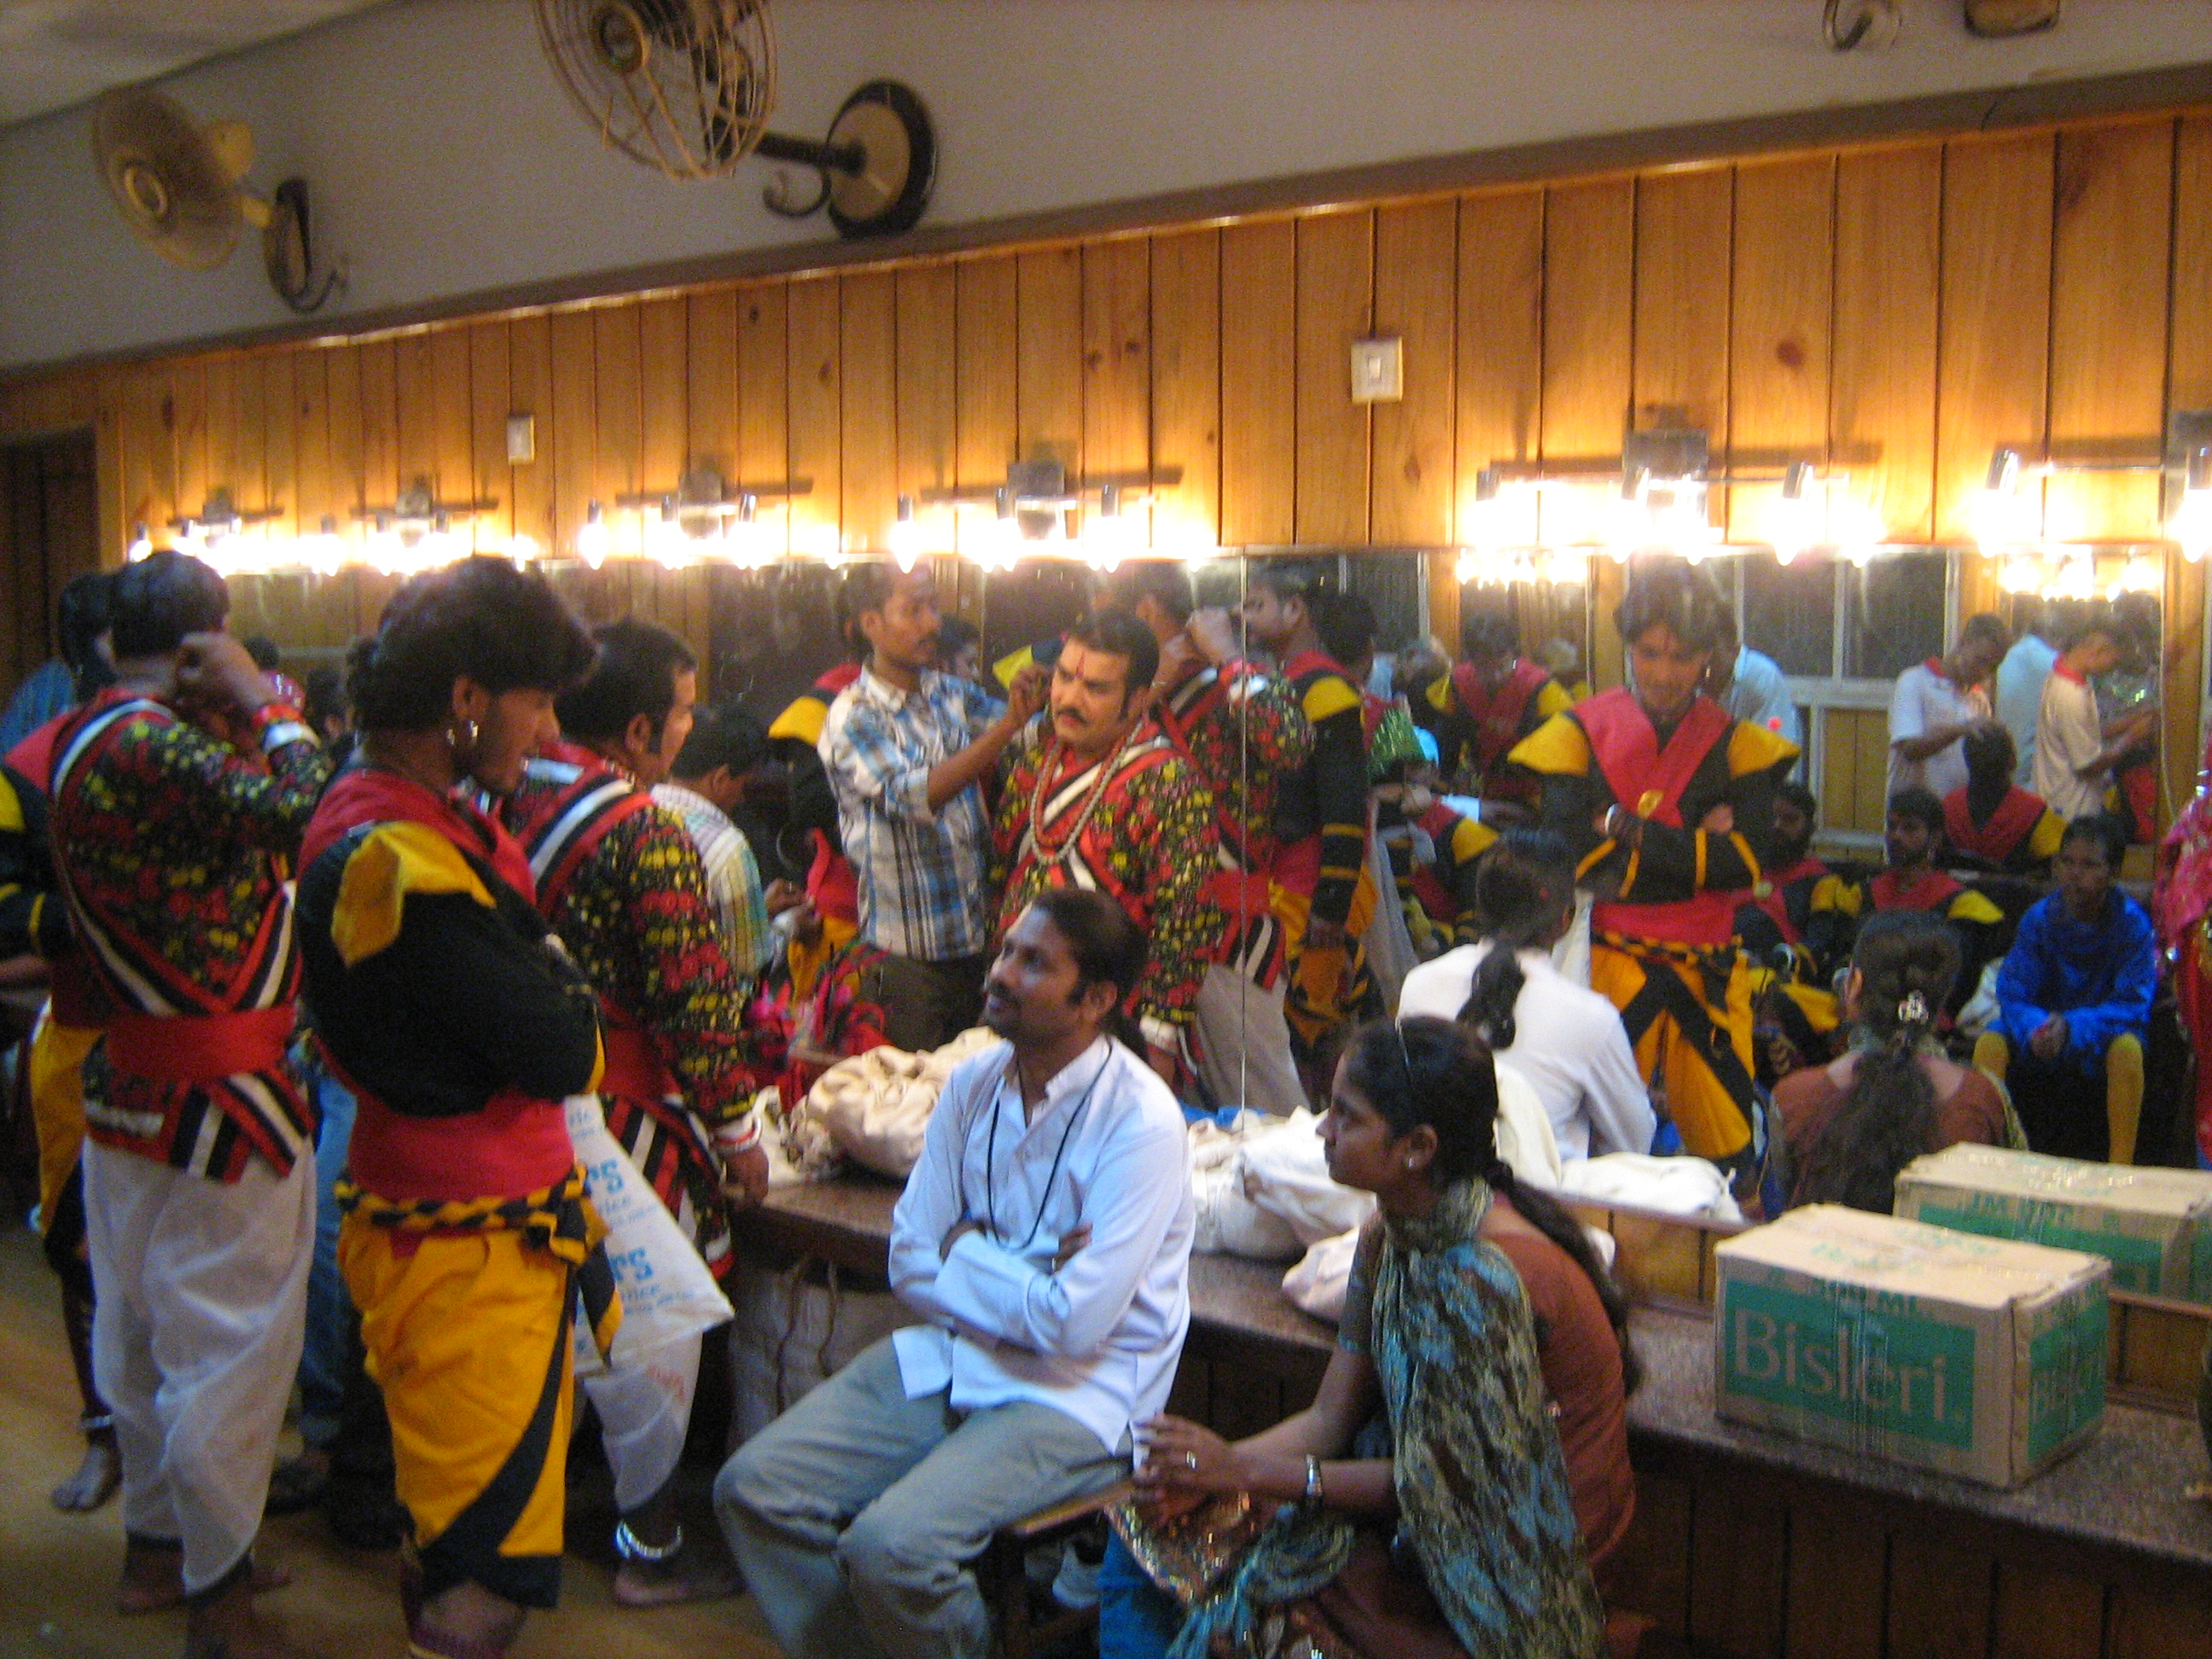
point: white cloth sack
(1525, 1145)
(876, 1105)
(1390, 953)
(1672, 1185)
(1981, 1010)
(787, 1335)
(667, 1291)
(1229, 1222)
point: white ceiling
(54, 53)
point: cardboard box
(2154, 1226)
(1918, 1345)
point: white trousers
(1244, 1043)
(645, 1412)
(195, 1341)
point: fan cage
(685, 86)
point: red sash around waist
(1707, 919)
(634, 1069)
(514, 1145)
(199, 1047)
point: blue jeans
(1137, 1619)
(325, 1360)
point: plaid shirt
(923, 892)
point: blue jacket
(2101, 976)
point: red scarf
(1999, 835)
(1648, 781)
(1496, 714)
(1928, 891)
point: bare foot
(696, 1575)
(154, 1579)
(229, 1627)
(94, 1482)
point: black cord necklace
(991, 1152)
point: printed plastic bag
(667, 1292)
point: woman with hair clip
(1484, 1351)
(1565, 1038)
(444, 1006)
(1851, 1125)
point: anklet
(627, 1543)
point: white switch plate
(1378, 371)
(522, 437)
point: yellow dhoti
(58, 1056)
(1687, 1013)
(470, 1337)
(1323, 986)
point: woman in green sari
(1465, 1460)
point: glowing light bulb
(592, 536)
(141, 544)
(906, 537)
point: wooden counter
(1748, 1544)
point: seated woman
(1852, 1124)
(1565, 1039)
(1487, 1352)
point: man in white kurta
(1044, 1239)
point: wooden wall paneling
(675, 597)
(1416, 300)
(764, 403)
(343, 448)
(1186, 373)
(2141, 1626)
(2189, 387)
(490, 401)
(1589, 319)
(618, 445)
(2110, 246)
(1882, 408)
(1049, 357)
(815, 394)
(248, 426)
(415, 400)
(1259, 384)
(710, 344)
(2043, 1613)
(1684, 231)
(310, 424)
(280, 453)
(1939, 1594)
(146, 452)
(987, 390)
(114, 527)
(380, 422)
(220, 440)
(1652, 1574)
(1784, 290)
(868, 410)
(1993, 348)
(1116, 366)
(574, 365)
(1739, 1558)
(926, 374)
(1839, 768)
(1335, 307)
(1838, 1582)
(188, 433)
(1500, 370)
(453, 408)
(1870, 809)
(535, 484)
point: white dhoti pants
(1244, 1043)
(645, 1414)
(195, 1341)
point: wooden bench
(1746, 1545)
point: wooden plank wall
(1895, 309)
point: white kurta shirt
(1097, 1340)
(1568, 1041)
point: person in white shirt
(1936, 703)
(1044, 1238)
(1751, 686)
(1566, 1040)
(2021, 679)
(2074, 753)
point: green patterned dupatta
(1482, 1486)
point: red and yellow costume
(1477, 725)
(1663, 942)
(440, 1002)
(2182, 907)
(1321, 872)
(2021, 834)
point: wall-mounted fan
(687, 87)
(177, 185)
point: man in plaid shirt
(907, 750)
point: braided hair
(1439, 1072)
(1906, 961)
(1524, 887)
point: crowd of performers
(325, 968)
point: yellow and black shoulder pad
(392, 862)
(1329, 695)
(1752, 748)
(801, 721)
(1975, 906)
(1558, 746)
(1551, 699)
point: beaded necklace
(1052, 851)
